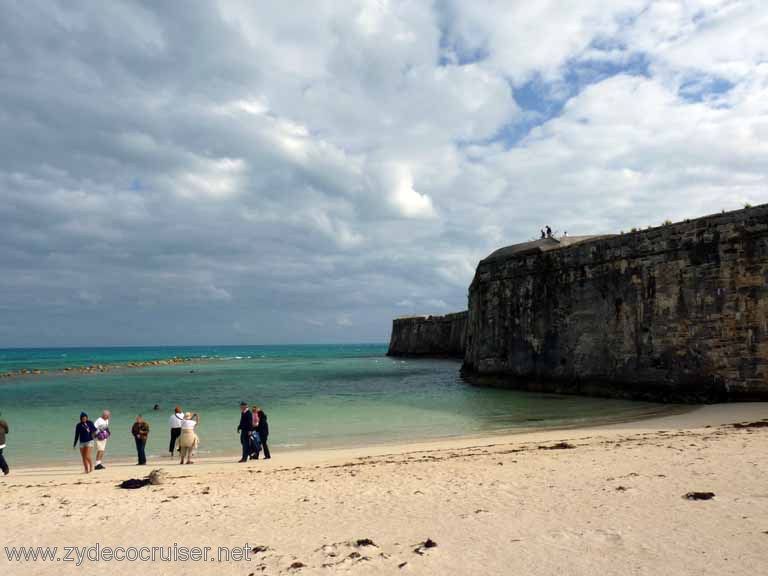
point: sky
(302, 172)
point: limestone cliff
(677, 312)
(439, 336)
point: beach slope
(608, 500)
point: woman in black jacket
(84, 431)
(263, 430)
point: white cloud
(407, 201)
(721, 38)
(344, 320)
(524, 39)
(214, 179)
(630, 152)
(342, 161)
(217, 294)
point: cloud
(344, 320)
(629, 150)
(680, 36)
(308, 172)
(405, 199)
(526, 39)
(216, 179)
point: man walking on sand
(101, 436)
(3, 431)
(245, 427)
(140, 431)
(176, 419)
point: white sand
(612, 505)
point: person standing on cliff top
(4, 429)
(549, 232)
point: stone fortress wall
(674, 313)
(436, 336)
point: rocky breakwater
(436, 336)
(98, 368)
(676, 312)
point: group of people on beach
(254, 432)
(184, 434)
(89, 434)
(253, 428)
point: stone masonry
(438, 336)
(677, 312)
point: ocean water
(315, 396)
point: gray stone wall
(677, 312)
(438, 336)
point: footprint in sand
(598, 537)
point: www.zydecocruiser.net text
(98, 553)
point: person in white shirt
(176, 419)
(101, 435)
(188, 441)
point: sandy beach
(603, 500)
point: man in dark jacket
(3, 431)
(140, 431)
(245, 427)
(263, 431)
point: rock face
(438, 336)
(678, 312)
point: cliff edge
(673, 313)
(677, 312)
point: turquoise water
(315, 396)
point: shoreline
(664, 411)
(681, 417)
